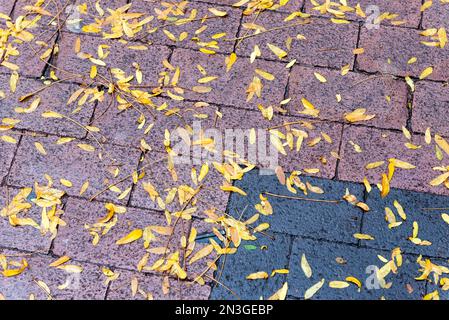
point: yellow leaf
(40, 148)
(131, 237)
(442, 143)
(86, 147)
(426, 72)
(445, 217)
(280, 294)
(338, 284)
(204, 252)
(320, 77)
(362, 236)
(230, 61)
(385, 186)
(313, 289)
(277, 51)
(305, 266)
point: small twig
(299, 198)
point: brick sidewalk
(99, 153)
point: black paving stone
(322, 259)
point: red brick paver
(380, 95)
(380, 145)
(70, 162)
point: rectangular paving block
(264, 254)
(231, 87)
(436, 16)
(389, 49)
(22, 237)
(75, 240)
(157, 174)
(53, 98)
(70, 162)
(381, 145)
(310, 155)
(404, 14)
(289, 5)
(7, 151)
(87, 285)
(200, 24)
(151, 287)
(355, 90)
(326, 44)
(417, 208)
(116, 55)
(301, 217)
(335, 262)
(430, 103)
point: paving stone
(230, 88)
(381, 145)
(318, 220)
(322, 259)
(308, 157)
(7, 151)
(53, 98)
(326, 44)
(356, 90)
(23, 237)
(69, 162)
(408, 14)
(430, 104)
(268, 255)
(121, 127)
(6, 6)
(197, 37)
(431, 225)
(436, 16)
(209, 196)
(152, 285)
(290, 6)
(75, 241)
(399, 45)
(89, 286)
(120, 56)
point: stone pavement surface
(102, 138)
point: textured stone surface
(88, 286)
(6, 6)
(22, 237)
(54, 98)
(75, 241)
(230, 88)
(160, 177)
(408, 14)
(430, 105)
(197, 37)
(322, 259)
(326, 44)
(356, 90)
(120, 56)
(416, 205)
(7, 151)
(399, 45)
(151, 286)
(330, 221)
(380, 145)
(69, 162)
(436, 16)
(273, 255)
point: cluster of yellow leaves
(44, 197)
(105, 224)
(12, 268)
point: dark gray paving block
(431, 225)
(322, 259)
(247, 261)
(318, 220)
